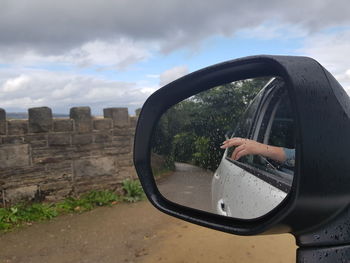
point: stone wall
(44, 158)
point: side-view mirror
(281, 168)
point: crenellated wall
(48, 159)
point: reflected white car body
(240, 194)
(241, 190)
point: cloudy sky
(110, 53)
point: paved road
(188, 185)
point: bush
(101, 198)
(133, 191)
(183, 147)
(20, 213)
(202, 155)
(72, 204)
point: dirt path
(136, 233)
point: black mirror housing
(321, 108)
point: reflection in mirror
(229, 150)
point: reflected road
(189, 186)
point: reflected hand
(243, 147)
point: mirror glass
(229, 150)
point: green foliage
(202, 154)
(101, 198)
(16, 215)
(8, 218)
(133, 191)
(72, 204)
(193, 130)
(36, 212)
(25, 213)
(180, 151)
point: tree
(193, 130)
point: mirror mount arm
(331, 239)
(328, 254)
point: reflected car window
(273, 124)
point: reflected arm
(245, 147)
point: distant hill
(24, 115)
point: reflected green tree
(193, 130)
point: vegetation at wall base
(133, 191)
(26, 213)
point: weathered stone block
(48, 160)
(102, 124)
(14, 155)
(20, 194)
(133, 121)
(62, 125)
(99, 183)
(13, 140)
(59, 195)
(94, 167)
(123, 163)
(82, 139)
(121, 132)
(37, 140)
(82, 119)
(21, 174)
(2, 122)
(55, 186)
(63, 166)
(120, 116)
(63, 139)
(102, 138)
(35, 137)
(127, 173)
(40, 119)
(2, 115)
(125, 143)
(17, 127)
(116, 150)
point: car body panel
(238, 193)
(241, 190)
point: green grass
(21, 214)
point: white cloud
(15, 84)
(348, 73)
(332, 50)
(60, 91)
(117, 54)
(172, 74)
(273, 30)
(53, 29)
